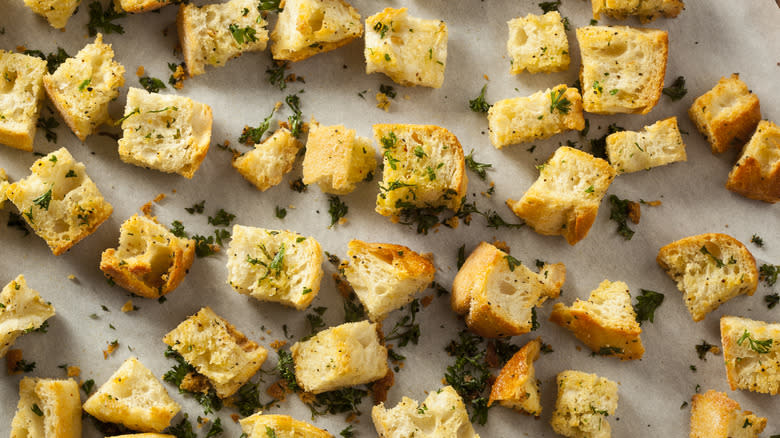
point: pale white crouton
(269, 161)
(47, 408)
(20, 98)
(538, 43)
(646, 10)
(715, 415)
(21, 310)
(656, 145)
(757, 173)
(280, 426)
(516, 387)
(751, 350)
(583, 405)
(56, 12)
(336, 158)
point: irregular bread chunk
(646, 10)
(751, 350)
(757, 173)
(138, 6)
(538, 43)
(336, 159)
(21, 310)
(653, 146)
(20, 98)
(47, 408)
(269, 161)
(516, 387)
(56, 12)
(583, 405)
(280, 426)
(715, 415)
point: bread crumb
(140, 71)
(235, 417)
(159, 197)
(21, 49)
(128, 306)
(500, 244)
(74, 371)
(146, 209)
(655, 203)
(382, 101)
(342, 221)
(277, 344)
(13, 356)
(380, 388)
(486, 77)
(112, 346)
(452, 222)
(278, 390)
(426, 301)
(634, 211)
(72, 277)
(178, 77)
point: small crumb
(426, 301)
(276, 345)
(128, 307)
(140, 71)
(500, 244)
(380, 388)
(146, 209)
(72, 277)
(292, 207)
(13, 356)
(112, 346)
(159, 197)
(235, 417)
(655, 203)
(406, 97)
(382, 101)
(173, 191)
(486, 77)
(634, 212)
(578, 348)
(74, 371)
(21, 49)
(178, 77)
(306, 397)
(342, 221)
(278, 390)
(453, 222)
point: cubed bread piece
(709, 269)
(280, 426)
(346, 355)
(646, 10)
(535, 117)
(715, 415)
(217, 350)
(584, 402)
(411, 51)
(20, 98)
(3, 186)
(606, 323)
(424, 167)
(538, 43)
(266, 164)
(757, 173)
(623, 68)
(56, 12)
(385, 276)
(47, 408)
(441, 415)
(498, 294)
(165, 132)
(59, 201)
(336, 159)
(727, 115)
(150, 260)
(656, 145)
(565, 199)
(278, 266)
(308, 27)
(82, 87)
(138, 6)
(516, 387)
(21, 310)
(215, 33)
(133, 397)
(143, 435)
(751, 350)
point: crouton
(516, 386)
(47, 408)
(138, 6)
(538, 43)
(646, 10)
(656, 145)
(3, 186)
(21, 310)
(56, 12)
(337, 159)
(269, 161)
(751, 350)
(280, 426)
(584, 402)
(20, 98)
(757, 173)
(715, 415)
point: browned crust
(412, 263)
(147, 6)
(101, 215)
(711, 415)
(54, 97)
(471, 273)
(596, 336)
(188, 41)
(746, 179)
(515, 374)
(18, 140)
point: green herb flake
(768, 274)
(406, 330)
(244, 35)
(559, 103)
(36, 410)
(177, 228)
(619, 211)
(152, 85)
(196, 208)
(336, 209)
(251, 136)
(772, 300)
(280, 213)
(387, 90)
(677, 90)
(512, 262)
(43, 200)
(478, 104)
(646, 305)
(759, 346)
(275, 74)
(84, 84)
(222, 218)
(102, 20)
(296, 119)
(479, 168)
(718, 262)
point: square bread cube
(411, 51)
(59, 201)
(565, 199)
(727, 115)
(715, 415)
(336, 159)
(308, 27)
(269, 161)
(56, 12)
(424, 167)
(217, 350)
(656, 145)
(21, 310)
(47, 408)
(751, 350)
(346, 355)
(535, 117)
(516, 386)
(20, 98)
(709, 270)
(150, 261)
(538, 43)
(384, 276)
(82, 87)
(165, 132)
(215, 33)
(134, 398)
(281, 426)
(606, 323)
(757, 172)
(441, 415)
(623, 68)
(138, 6)
(646, 10)
(498, 294)
(584, 402)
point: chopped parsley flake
(478, 104)
(761, 347)
(646, 305)
(244, 35)
(102, 20)
(677, 91)
(479, 168)
(152, 85)
(336, 209)
(558, 102)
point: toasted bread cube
(715, 415)
(82, 87)
(583, 404)
(441, 415)
(47, 408)
(346, 355)
(165, 132)
(516, 386)
(656, 145)
(143, 435)
(424, 167)
(150, 260)
(215, 33)
(384, 276)
(751, 350)
(565, 199)
(3, 186)
(623, 68)
(138, 6)
(538, 43)
(266, 164)
(411, 51)
(133, 397)
(281, 426)
(336, 159)
(646, 10)
(59, 201)
(56, 12)
(277, 266)
(20, 98)
(22, 311)
(536, 117)
(709, 269)
(498, 294)
(606, 323)
(757, 173)
(308, 27)
(727, 115)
